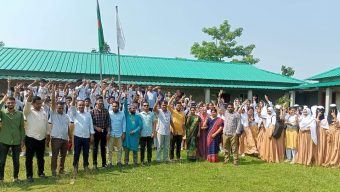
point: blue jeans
(15, 156)
(79, 144)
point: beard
(133, 112)
(10, 107)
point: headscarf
(323, 121)
(309, 121)
(337, 113)
(271, 119)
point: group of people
(70, 117)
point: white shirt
(60, 123)
(163, 125)
(37, 122)
(42, 92)
(82, 92)
(83, 125)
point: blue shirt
(147, 119)
(118, 123)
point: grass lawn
(251, 175)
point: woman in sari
(215, 127)
(307, 139)
(192, 126)
(202, 152)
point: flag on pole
(120, 34)
(100, 31)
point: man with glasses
(147, 133)
(101, 123)
(116, 134)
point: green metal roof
(316, 85)
(328, 74)
(72, 65)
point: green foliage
(283, 101)
(223, 46)
(107, 48)
(287, 71)
(2, 44)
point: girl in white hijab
(322, 130)
(269, 145)
(307, 139)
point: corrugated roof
(328, 74)
(68, 64)
(315, 85)
(173, 84)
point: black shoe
(30, 179)
(54, 174)
(43, 176)
(119, 165)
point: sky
(302, 34)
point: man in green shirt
(12, 134)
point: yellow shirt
(179, 119)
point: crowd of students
(70, 117)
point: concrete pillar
(207, 95)
(250, 94)
(292, 98)
(328, 98)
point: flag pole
(118, 52)
(100, 66)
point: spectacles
(146, 105)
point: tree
(287, 71)
(107, 48)
(223, 46)
(2, 44)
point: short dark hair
(164, 103)
(99, 97)
(11, 98)
(60, 103)
(230, 104)
(116, 102)
(35, 99)
(68, 97)
(87, 99)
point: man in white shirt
(36, 134)
(60, 134)
(83, 133)
(163, 129)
